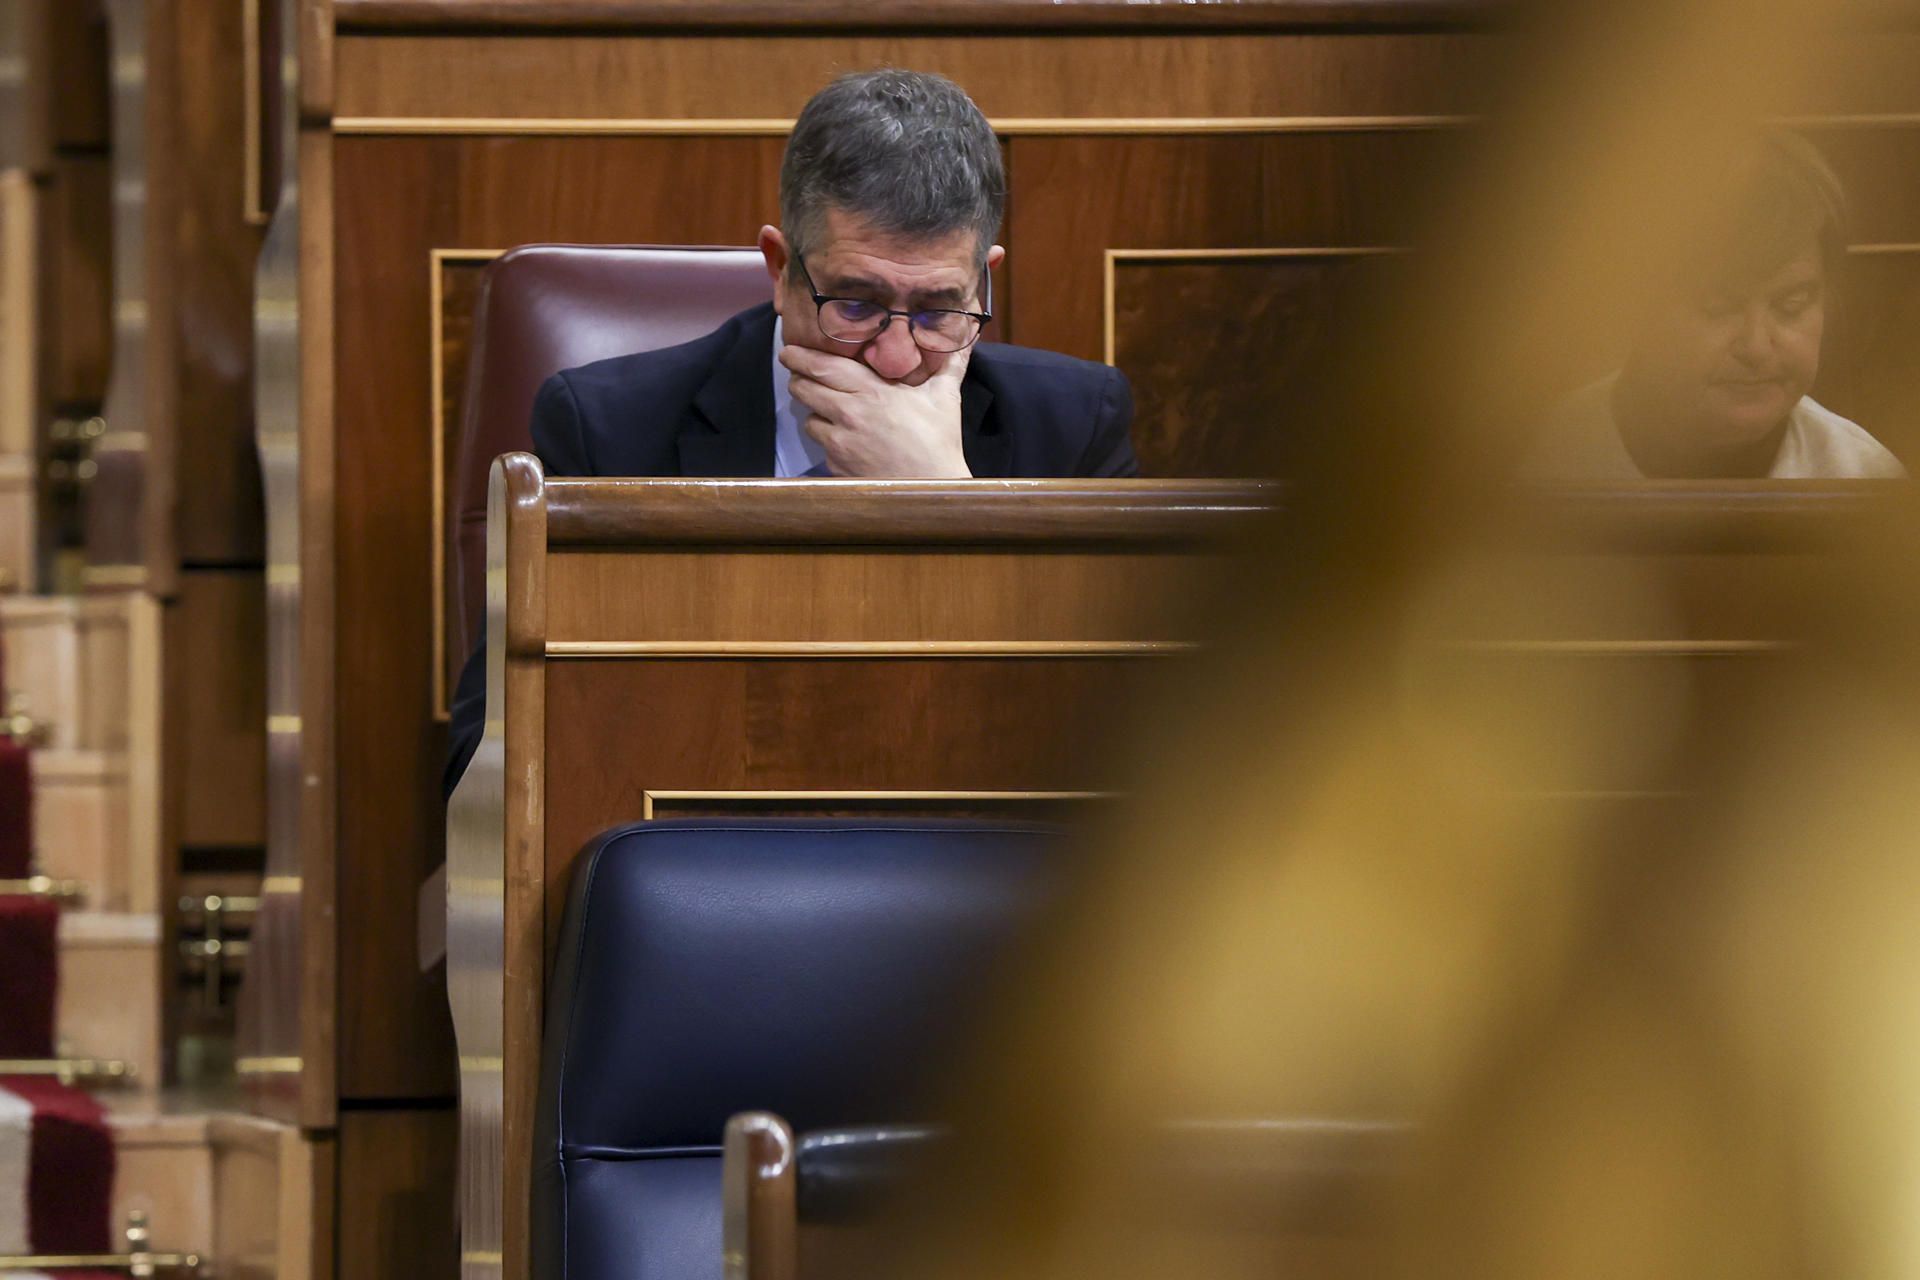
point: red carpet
(29, 975)
(56, 1170)
(16, 811)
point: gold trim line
(773, 126)
(559, 649)
(266, 1066)
(649, 799)
(114, 575)
(1625, 648)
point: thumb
(954, 371)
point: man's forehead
(852, 247)
(1770, 276)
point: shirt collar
(794, 451)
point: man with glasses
(866, 362)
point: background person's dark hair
(906, 150)
(1783, 194)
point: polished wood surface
(77, 336)
(399, 1170)
(216, 689)
(759, 1223)
(272, 1200)
(642, 512)
(1296, 192)
(218, 518)
(1176, 322)
(418, 83)
(1070, 15)
(1025, 712)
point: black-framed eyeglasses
(857, 321)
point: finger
(954, 371)
(837, 372)
(816, 396)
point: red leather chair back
(548, 307)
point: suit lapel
(988, 449)
(733, 435)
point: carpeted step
(56, 1169)
(16, 811)
(29, 975)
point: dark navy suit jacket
(705, 408)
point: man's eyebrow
(940, 297)
(839, 285)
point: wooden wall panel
(888, 724)
(78, 279)
(398, 1174)
(1019, 76)
(216, 655)
(79, 80)
(1867, 367)
(219, 503)
(466, 193)
(1074, 198)
(1178, 322)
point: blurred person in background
(1717, 384)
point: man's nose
(1753, 340)
(893, 354)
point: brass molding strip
(1116, 256)
(1010, 126)
(96, 1072)
(436, 295)
(1626, 648)
(648, 799)
(1883, 250)
(559, 649)
(137, 1264)
(1858, 120)
(262, 1066)
(68, 891)
(114, 575)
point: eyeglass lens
(852, 321)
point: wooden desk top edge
(1723, 515)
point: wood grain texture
(77, 278)
(1068, 15)
(399, 1167)
(898, 724)
(1178, 323)
(1867, 371)
(1075, 198)
(78, 46)
(217, 693)
(323, 929)
(896, 595)
(1012, 76)
(219, 516)
(638, 512)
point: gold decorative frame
(1006, 126)
(436, 294)
(862, 648)
(649, 799)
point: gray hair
(905, 150)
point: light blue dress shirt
(795, 453)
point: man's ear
(773, 248)
(996, 254)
